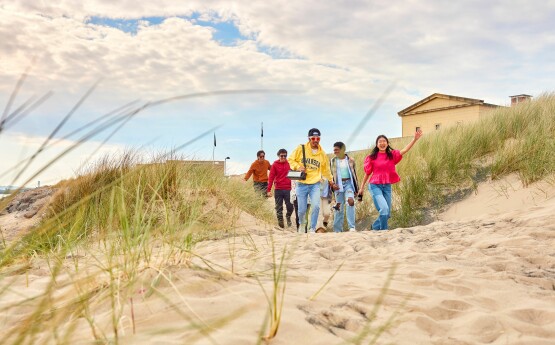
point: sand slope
(487, 280)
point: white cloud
(345, 54)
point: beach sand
(484, 279)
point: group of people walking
(323, 179)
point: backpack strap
(304, 158)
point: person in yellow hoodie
(316, 166)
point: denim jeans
(342, 197)
(303, 191)
(381, 194)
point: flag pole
(214, 147)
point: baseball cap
(314, 132)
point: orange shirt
(259, 171)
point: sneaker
(280, 224)
(311, 231)
(352, 230)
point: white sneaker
(311, 231)
(352, 230)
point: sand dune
(485, 280)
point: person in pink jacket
(380, 164)
(282, 190)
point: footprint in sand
(485, 329)
(333, 318)
(440, 314)
(458, 289)
(536, 317)
(430, 326)
(420, 279)
(454, 304)
(446, 272)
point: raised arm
(417, 136)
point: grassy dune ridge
(116, 229)
(518, 140)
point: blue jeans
(303, 191)
(342, 197)
(381, 194)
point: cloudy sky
(302, 64)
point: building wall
(485, 110)
(445, 118)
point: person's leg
(349, 202)
(306, 218)
(315, 204)
(278, 196)
(387, 196)
(338, 216)
(302, 196)
(288, 206)
(381, 206)
(296, 207)
(263, 188)
(258, 188)
(325, 208)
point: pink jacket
(382, 169)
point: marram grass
(126, 220)
(519, 140)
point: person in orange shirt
(259, 171)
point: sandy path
(489, 280)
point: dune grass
(126, 220)
(117, 233)
(517, 140)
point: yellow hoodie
(317, 165)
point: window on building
(438, 125)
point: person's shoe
(280, 224)
(289, 224)
(352, 230)
(311, 231)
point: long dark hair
(388, 149)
